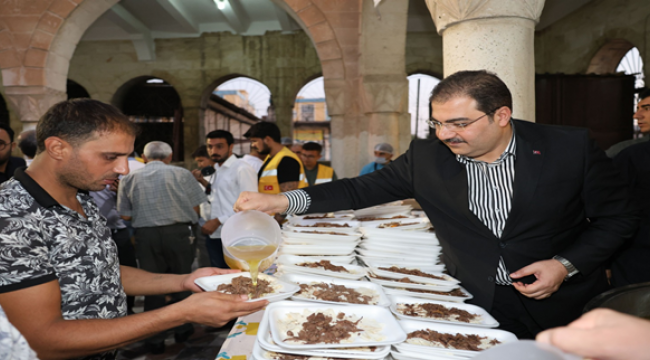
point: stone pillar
(284, 114)
(31, 102)
(496, 35)
(345, 134)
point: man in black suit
(510, 201)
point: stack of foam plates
(271, 334)
(289, 264)
(363, 287)
(321, 217)
(483, 318)
(386, 210)
(407, 223)
(347, 259)
(429, 275)
(425, 352)
(339, 226)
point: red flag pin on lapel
(537, 152)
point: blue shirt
(370, 168)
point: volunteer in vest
(282, 170)
(316, 173)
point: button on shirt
(490, 189)
(41, 241)
(231, 178)
(159, 195)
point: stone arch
(306, 81)
(75, 90)
(607, 58)
(417, 70)
(207, 91)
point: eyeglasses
(456, 126)
(3, 145)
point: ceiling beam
(236, 15)
(139, 32)
(180, 14)
(283, 19)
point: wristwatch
(571, 270)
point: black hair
(490, 92)
(644, 94)
(79, 120)
(263, 129)
(27, 143)
(9, 131)
(201, 151)
(221, 134)
(312, 146)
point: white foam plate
(433, 268)
(409, 326)
(355, 272)
(308, 279)
(404, 224)
(411, 355)
(397, 291)
(211, 283)
(414, 256)
(486, 319)
(329, 217)
(317, 242)
(328, 237)
(397, 284)
(391, 331)
(400, 248)
(412, 234)
(347, 259)
(404, 242)
(266, 343)
(398, 261)
(384, 211)
(422, 279)
(318, 249)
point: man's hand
(199, 177)
(549, 274)
(268, 203)
(210, 226)
(188, 284)
(114, 185)
(602, 334)
(216, 309)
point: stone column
(496, 35)
(284, 114)
(31, 102)
(344, 127)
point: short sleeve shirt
(41, 241)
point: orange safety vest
(268, 183)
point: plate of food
(399, 261)
(323, 235)
(266, 342)
(417, 274)
(433, 268)
(398, 248)
(322, 267)
(409, 284)
(456, 295)
(427, 337)
(300, 326)
(414, 256)
(401, 224)
(268, 287)
(397, 233)
(342, 226)
(340, 250)
(337, 291)
(411, 308)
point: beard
(265, 150)
(75, 175)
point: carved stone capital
(448, 12)
(384, 93)
(31, 102)
(335, 93)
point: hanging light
(221, 4)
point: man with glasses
(8, 163)
(314, 172)
(526, 214)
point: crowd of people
(529, 216)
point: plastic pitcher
(250, 241)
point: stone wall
(195, 66)
(569, 45)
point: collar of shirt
(226, 163)
(510, 150)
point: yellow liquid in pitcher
(252, 255)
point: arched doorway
(75, 91)
(420, 87)
(311, 122)
(632, 64)
(156, 107)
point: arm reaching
(268, 203)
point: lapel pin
(537, 152)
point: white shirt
(231, 178)
(253, 161)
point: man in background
(316, 173)
(203, 175)
(27, 145)
(232, 176)
(383, 155)
(642, 116)
(162, 202)
(254, 159)
(297, 149)
(8, 163)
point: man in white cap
(383, 155)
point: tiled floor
(202, 345)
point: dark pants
(512, 315)
(126, 256)
(165, 250)
(216, 252)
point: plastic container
(248, 238)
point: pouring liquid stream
(253, 255)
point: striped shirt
(490, 188)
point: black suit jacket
(568, 200)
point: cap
(286, 141)
(385, 147)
